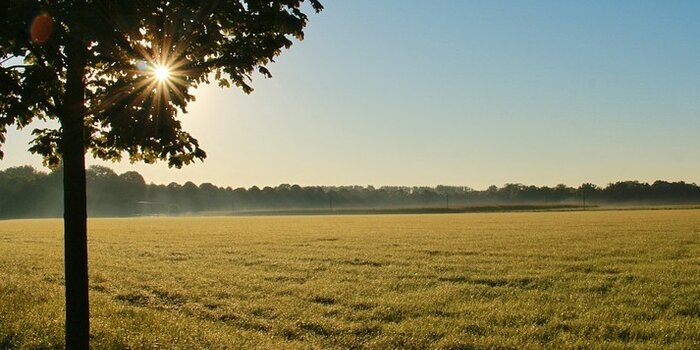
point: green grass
(570, 280)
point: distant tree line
(27, 192)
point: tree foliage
(95, 67)
(127, 109)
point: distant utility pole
(447, 201)
(583, 190)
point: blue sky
(459, 92)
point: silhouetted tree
(91, 65)
(100, 198)
(26, 192)
(628, 190)
(132, 191)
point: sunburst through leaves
(162, 73)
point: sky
(471, 93)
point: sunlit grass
(527, 280)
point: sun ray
(159, 75)
(162, 73)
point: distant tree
(209, 196)
(511, 191)
(18, 190)
(239, 199)
(133, 179)
(132, 190)
(26, 192)
(190, 193)
(628, 190)
(562, 192)
(587, 191)
(254, 196)
(102, 186)
(25, 172)
(173, 191)
(97, 68)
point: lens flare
(41, 29)
(162, 73)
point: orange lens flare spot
(41, 29)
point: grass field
(570, 280)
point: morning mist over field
(463, 93)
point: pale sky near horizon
(468, 93)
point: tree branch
(50, 107)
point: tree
(101, 199)
(114, 75)
(132, 188)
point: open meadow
(570, 280)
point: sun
(162, 73)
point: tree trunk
(74, 201)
